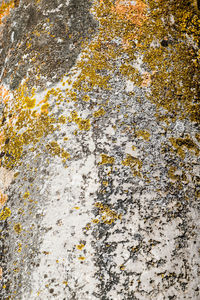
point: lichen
(6, 213)
(55, 149)
(3, 199)
(134, 163)
(108, 216)
(183, 144)
(144, 134)
(99, 113)
(21, 114)
(5, 8)
(80, 246)
(167, 52)
(81, 258)
(105, 159)
(17, 228)
(83, 124)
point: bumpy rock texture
(99, 150)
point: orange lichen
(5, 9)
(146, 79)
(133, 11)
(3, 199)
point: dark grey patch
(55, 47)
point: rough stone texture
(45, 38)
(119, 218)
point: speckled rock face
(99, 150)
(42, 39)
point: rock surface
(99, 168)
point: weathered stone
(99, 167)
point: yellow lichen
(26, 195)
(83, 124)
(6, 212)
(17, 228)
(105, 183)
(99, 113)
(105, 159)
(62, 119)
(134, 163)
(80, 246)
(19, 117)
(171, 174)
(183, 144)
(44, 107)
(95, 221)
(86, 98)
(56, 150)
(19, 247)
(108, 215)
(144, 134)
(81, 258)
